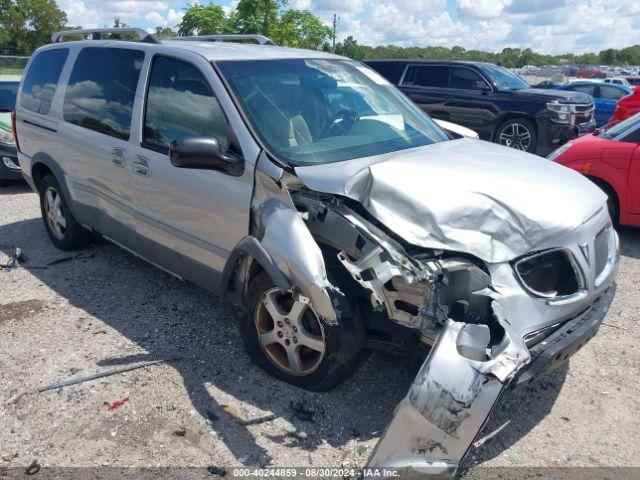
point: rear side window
(427, 76)
(466, 79)
(41, 80)
(588, 89)
(102, 88)
(611, 93)
(392, 71)
(180, 103)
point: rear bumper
(558, 347)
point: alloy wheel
(290, 333)
(54, 213)
(516, 135)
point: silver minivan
(312, 194)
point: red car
(610, 157)
(626, 106)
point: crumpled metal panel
(284, 235)
(465, 195)
(447, 405)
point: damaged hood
(466, 195)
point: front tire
(287, 339)
(518, 133)
(63, 229)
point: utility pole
(336, 19)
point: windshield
(321, 111)
(8, 92)
(623, 127)
(503, 78)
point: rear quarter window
(392, 71)
(427, 76)
(41, 80)
(102, 89)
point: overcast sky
(547, 26)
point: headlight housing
(559, 151)
(550, 274)
(6, 137)
(562, 111)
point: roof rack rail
(261, 39)
(96, 33)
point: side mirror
(204, 153)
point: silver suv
(312, 194)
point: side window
(611, 93)
(466, 79)
(102, 89)
(427, 76)
(588, 89)
(180, 103)
(632, 137)
(41, 81)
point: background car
(493, 101)
(605, 96)
(611, 159)
(633, 80)
(617, 81)
(626, 107)
(9, 169)
(546, 84)
(591, 72)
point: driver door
(191, 219)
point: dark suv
(493, 101)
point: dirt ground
(103, 308)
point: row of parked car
(503, 108)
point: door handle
(142, 166)
(117, 157)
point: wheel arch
(611, 192)
(43, 164)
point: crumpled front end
(481, 302)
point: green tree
(28, 24)
(203, 20)
(257, 16)
(164, 32)
(300, 29)
(349, 48)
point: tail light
(13, 129)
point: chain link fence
(12, 64)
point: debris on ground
(14, 261)
(118, 404)
(180, 433)
(233, 413)
(33, 468)
(213, 470)
(301, 412)
(75, 381)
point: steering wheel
(343, 119)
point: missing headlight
(550, 274)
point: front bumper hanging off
(453, 394)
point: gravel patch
(102, 308)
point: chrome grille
(601, 247)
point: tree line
(28, 24)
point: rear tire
(316, 370)
(518, 133)
(63, 229)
